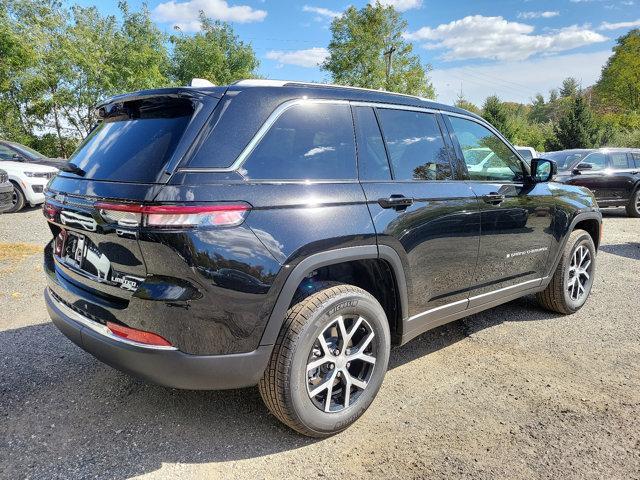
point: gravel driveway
(514, 392)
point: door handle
(493, 198)
(395, 201)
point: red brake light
(226, 215)
(139, 336)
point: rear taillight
(174, 216)
(139, 336)
(50, 210)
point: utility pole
(388, 55)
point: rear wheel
(571, 283)
(328, 362)
(18, 199)
(633, 207)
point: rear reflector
(139, 336)
(221, 215)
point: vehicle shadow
(618, 212)
(69, 416)
(626, 250)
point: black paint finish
(218, 291)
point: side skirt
(436, 317)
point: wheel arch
(332, 261)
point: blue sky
(512, 48)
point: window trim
(283, 107)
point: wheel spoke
(323, 344)
(327, 402)
(342, 330)
(586, 264)
(347, 388)
(355, 327)
(356, 382)
(327, 384)
(364, 357)
(317, 363)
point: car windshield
(566, 159)
(26, 151)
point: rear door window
(415, 145)
(619, 160)
(310, 141)
(134, 141)
(372, 156)
(636, 159)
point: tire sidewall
(343, 304)
(634, 209)
(583, 239)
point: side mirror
(542, 170)
(16, 157)
(582, 166)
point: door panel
(515, 217)
(431, 220)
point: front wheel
(572, 281)
(328, 362)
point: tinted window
(372, 157)
(415, 145)
(565, 160)
(526, 154)
(308, 141)
(636, 158)
(597, 160)
(486, 155)
(619, 160)
(6, 153)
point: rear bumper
(161, 365)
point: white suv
(29, 180)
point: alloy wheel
(340, 363)
(579, 273)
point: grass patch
(18, 251)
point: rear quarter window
(134, 141)
(311, 141)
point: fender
(591, 215)
(322, 259)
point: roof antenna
(201, 82)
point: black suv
(287, 234)
(612, 174)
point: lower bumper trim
(167, 366)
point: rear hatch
(95, 208)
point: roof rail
(259, 82)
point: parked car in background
(287, 234)
(6, 192)
(612, 174)
(28, 180)
(16, 152)
(527, 153)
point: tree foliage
(215, 53)
(619, 85)
(494, 112)
(367, 50)
(577, 128)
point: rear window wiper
(71, 168)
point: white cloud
(309, 57)
(545, 14)
(517, 81)
(478, 36)
(616, 26)
(400, 5)
(185, 15)
(322, 12)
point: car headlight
(31, 174)
(37, 174)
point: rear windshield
(134, 140)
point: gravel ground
(514, 392)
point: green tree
(215, 53)
(570, 87)
(494, 112)
(462, 102)
(367, 50)
(577, 128)
(619, 84)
